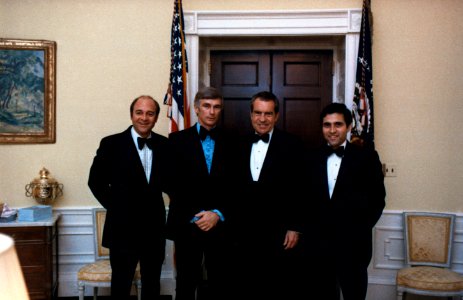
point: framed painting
(27, 91)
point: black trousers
(123, 265)
(263, 269)
(330, 272)
(199, 254)
(352, 279)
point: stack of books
(34, 213)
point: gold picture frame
(27, 91)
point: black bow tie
(203, 133)
(338, 151)
(143, 141)
(264, 137)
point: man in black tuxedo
(199, 209)
(267, 221)
(348, 190)
(127, 177)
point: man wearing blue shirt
(197, 220)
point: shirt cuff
(219, 214)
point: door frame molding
(344, 22)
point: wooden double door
(302, 81)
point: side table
(37, 246)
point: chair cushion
(99, 271)
(430, 278)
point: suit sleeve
(172, 189)
(376, 187)
(295, 181)
(99, 179)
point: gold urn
(44, 189)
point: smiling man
(268, 224)
(347, 198)
(199, 208)
(127, 177)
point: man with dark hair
(347, 192)
(127, 177)
(267, 219)
(199, 208)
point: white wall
(109, 52)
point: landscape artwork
(27, 91)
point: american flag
(176, 97)
(362, 107)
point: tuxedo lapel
(323, 175)
(272, 154)
(246, 161)
(157, 156)
(133, 158)
(197, 149)
(218, 151)
(344, 169)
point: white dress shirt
(146, 154)
(258, 153)
(333, 164)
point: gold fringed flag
(176, 97)
(362, 107)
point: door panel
(303, 83)
(239, 75)
(301, 80)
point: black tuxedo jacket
(118, 181)
(193, 188)
(344, 223)
(272, 205)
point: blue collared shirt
(208, 149)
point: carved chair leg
(400, 295)
(81, 291)
(139, 290)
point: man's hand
(207, 220)
(291, 239)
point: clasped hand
(206, 220)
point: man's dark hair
(337, 108)
(156, 104)
(207, 93)
(266, 96)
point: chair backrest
(99, 217)
(428, 238)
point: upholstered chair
(428, 249)
(98, 274)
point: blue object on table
(34, 213)
(10, 218)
